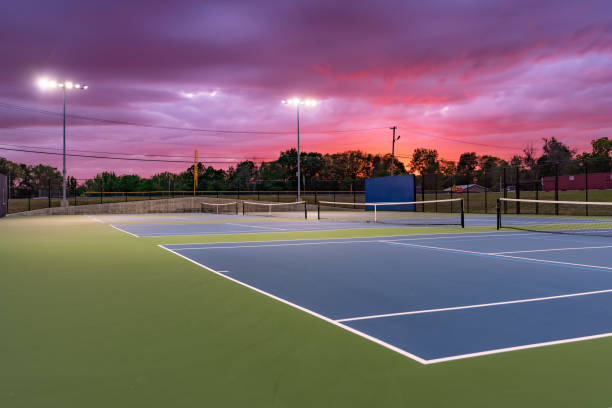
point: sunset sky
(456, 75)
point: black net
(564, 217)
(423, 213)
(219, 208)
(285, 210)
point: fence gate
(3, 195)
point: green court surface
(93, 317)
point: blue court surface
(238, 226)
(434, 298)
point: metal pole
(556, 188)
(298, 153)
(393, 150)
(64, 201)
(517, 189)
(586, 187)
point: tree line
(339, 171)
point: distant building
(462, 188)
(596, 181)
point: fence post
(537, 190)
(422, 192)
(467, 192)
(517, 189)
(436, 191)
(484, 175)
(505, 191)
(556, 188)
(49, 190)
(586, 187)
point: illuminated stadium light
(297, 102)
(43, 84)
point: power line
(221, 131)
(108, 158)
(133, 154)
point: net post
(462, 215)
(498, 213)
(305, 211)
(318, 210)
(243, 205)
(236, 207)
(375, 212)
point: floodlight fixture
(297, 102)
(44, 83)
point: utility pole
(393, 149)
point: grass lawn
(92, 317)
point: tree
(555, 152)
(243, 176)
(600, 159)
(424, 161)
(467, 163)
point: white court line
(500, 256)
(482, 305)
(325, 241)
(549, 250)
(523, 347)
(96, 219)
(555, 262)
(255, 226)
(439, 235)
(303, 309)
(119, 229)
(383, 343)
(273, 245)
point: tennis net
(563, 217)
(219, 208)
(288, 210)
(439, 212)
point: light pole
(297, 102)
(393, 149)
(66, 85)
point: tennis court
(434, 298)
